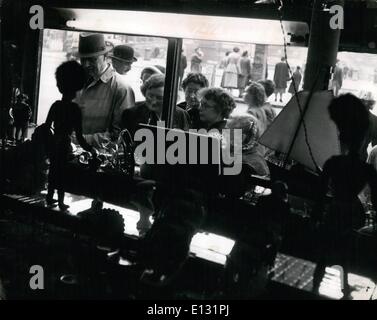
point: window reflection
(61, 45)
(211, 58)
(358, 78)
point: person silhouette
(344, 176)
(281, 77)
(66, 117)
(337, 79)
(21, 113)
(196, 60)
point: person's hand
(94, 152)
(193, 102)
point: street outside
(49, 93)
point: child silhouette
(66, 117)
(21, 113)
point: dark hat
(124, 53)
(92, 45)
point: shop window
(60, 45)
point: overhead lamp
(185, 26)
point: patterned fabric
(253, 152)
(231, 71)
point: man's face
(121, 66)
(94, 66)
(191, 94)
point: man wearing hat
(122, 58)
(104, 96)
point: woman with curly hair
(255, 98)
(215, 107)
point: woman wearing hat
(149, 71)
(150, 111)
(104, 96)
(215, 107)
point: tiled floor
(298, 273)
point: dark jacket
(21, 113)
(133, 117)
(195, 122)
(338, 76)
(220, 125)
(281, 75)
(183, 65)
(297, 76)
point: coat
(132, 117)
(297, 78)
(183, 65)
(245, 66)
(233, 63)
(231, 71)
(338, 76)
(281, 75)
(245, 72)
(195, 122)
(196, 63)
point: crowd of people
(107, 103)
(97, 105)
(237, 74)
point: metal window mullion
(171, 80)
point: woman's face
(154, 98)
(208, 112)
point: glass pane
(233, 67)
(263, 59)
(60, 46)
(358, 77)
